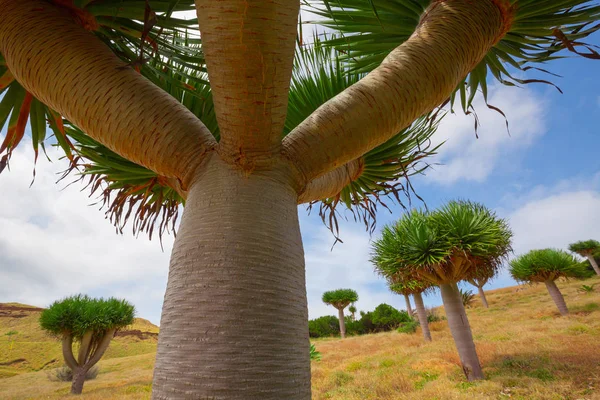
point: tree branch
(67, 349)
(73, 72)
(331, 183)
(102, 346)
(451, 39)
(84, 348)
(250, 68)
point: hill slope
(527, 350)
(24, 347)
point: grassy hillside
(527, 350)
(24, 347)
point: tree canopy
(80, 314)
(585, 247)
(450, 244)
(340, 298)
(545, 265)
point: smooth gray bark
(422, 314)
(557, 297)
(461, 331)
(592, 261)
(408, 306)
(234, 320)
(482, 296)
(342, 323)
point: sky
(543, 177)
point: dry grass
(527, 350)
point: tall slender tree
(340, 299)
(92, 323)
(547, 266)
(444, 247)
(480, 280)
(416, 288)
(154, 116)
(587, 248)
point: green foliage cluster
(314, 354)
(545, 264)
(467, 297)
(324, 326)
(585, 247)
(408, 327)
(433, 316)
(422, 241)
(340, 297)
(383, 318)
(79, 314)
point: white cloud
(53, 244)
(556, 221)
(464, 157)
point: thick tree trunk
(422, 314)
(461, 331)
(482, 296)
(592, 261)
(234, 320)
(557, 297)
(408, 306)
(78, 380)
(342, 323)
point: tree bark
(422, 314)
(451, 39)
(482, 296)
(592, 261)
(249, 50)
(234, 320)
(75, 73)
(461, 331)
(67, 349)
(78, 379)
(342, 323)
(408, 306)
(331, 183)
(557, 297)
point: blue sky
(544, 178)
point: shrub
(65, 374)
(314, 354)
(408, 327)
(587, 289)
(325, 326)
(467, 297)
(386, 317)
(433, 316)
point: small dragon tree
(92, 323)
(587, 248)
(340, 299)
(444, 247)
(352, 310)
(416, 288)
(480, 280)
(546, 266)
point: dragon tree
(547, 266)
(340, 299)
(587, 248)
(227, 115)
(90, 322)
